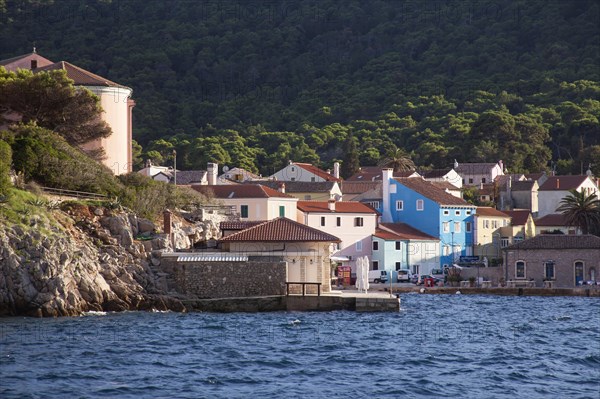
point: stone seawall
(586, 292)
(204, 279)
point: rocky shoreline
(85, 258)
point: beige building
(252, 201)
(554, 223)
(553, 260)
(115, 101)
(306, 250)
(352, 222)
(490, 232)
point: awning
(339, 258)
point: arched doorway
(578, 273)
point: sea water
(454, 346)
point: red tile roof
(340, 207)
(239, 224)
(240, 191)
(280, 230)
(402, 231)
(366, 174)
(489, 211)
(358, 187)
(519, 216)
(445, 185)
(562, 183)
(435, 173)
(316, 171)
(80, 76)
(428, 190)
(553, 219)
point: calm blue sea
(453, 346)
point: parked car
(378, 276)
(403, 276)
(424, 276)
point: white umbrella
(359, 279)
(366, 273)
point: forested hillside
(254, 83)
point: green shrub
(5, 164)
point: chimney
(501, 164)
(336, 170)
(212, 169)
(557, 183)
(281, 187)
(331, 205)
(385, 186)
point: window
(358, 222)
(446, 212)
(292, 179)
(358, 246)
(467, 213)
(398, 245)
(281, 211)
(494, 224)
(420, 205)
(375, 245)
(457, 227)
(244, 211)
(470, 180)
(504, 242)
(520, 269)
(375, 265)
(338, 221)
(398, 265)
(322, 220)
(457, 213)
(468, 227)
(446, 227)
(399, 205)
(486, 224)
(549, 270)
(307, 197)
(293, 169)
(463, 181)
(483, 179)
(373, 204)
(578, 272)
(393, 189)
(446, 250)
(312, 179)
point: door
(578, 273)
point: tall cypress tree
(350, 162)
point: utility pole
(175, 167)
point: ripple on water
(438, 346)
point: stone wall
(493, 274)
(258, 276)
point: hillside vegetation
(254, 84)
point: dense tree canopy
(254, 84)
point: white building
(555, 188)
(474, 174)
(296, 171)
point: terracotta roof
(474, 168)
(489, 211)
(316, 171)
(340, 207)
(240, 191)
(553, 219)
(445, 185)
(487, 189)
(519, 216)
(562, 183)
(558, 241)
(298, 186)
(280, 230)
(80, 76)
(358, 187)
(402, 231)
(428, 190)
(366, 174)
(535, 176)
(239, 224)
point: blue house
(398, 246)
(433, 211)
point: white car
(378, 276)
(403, 276)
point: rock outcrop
(83, 259)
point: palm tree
(397, 159)
(582, 210)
